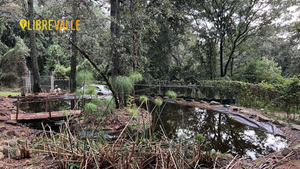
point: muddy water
(220, 132)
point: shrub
(59, 72)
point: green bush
(282, 97)
(59, 72)
(259, 70)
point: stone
(5, 152)
(189, 100)
(202, 101)
(295, 127)
(235, 109)
(12, 133)
(21, 141)
(11, 152)
(279, 122)
(252, 116)
(263, 118)
(13, 122)
(10, 143)
(2, 129)
(226, 105)
(245, 112)
(285, 151)
(214, 103)
(1, 156)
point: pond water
(220, 132)
(41, 106)
(184, 122)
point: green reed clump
(171, 94)
(158, 102)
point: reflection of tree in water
(35, 107)
(220, 132)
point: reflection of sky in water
(220, 132)
(273, 142)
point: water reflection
(220, 132)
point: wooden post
(52, 82)
(83, 104)
(74, 101)
(159, 88)
(46, 104)
(49, 109)
(194, 92)
(17, 113)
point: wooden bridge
(40, 116)
(56, 115)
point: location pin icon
(23, 23)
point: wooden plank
(43, 115)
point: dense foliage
(166, 41)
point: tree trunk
(114, 53)
(74, 50)
(231, 67)
(33, 51)
(221, 57)
(115, 35)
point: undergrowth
(131, 149)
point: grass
(7, 94)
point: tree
(33, 51)
(260, 69)
(231, 22)
(74, 50)
(115, 36)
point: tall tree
(33, 50)
(115, 36)
(74, 50)
(232, 22)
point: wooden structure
(44, 115)
(47, 115)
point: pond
(183, 122)
(220, 131)
(41, 106)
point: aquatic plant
(171, 94)
(142, 98)
(158, 102)
(90, 107)
(84, 77)
(135, 77)
(122, 84)
(199, 137)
